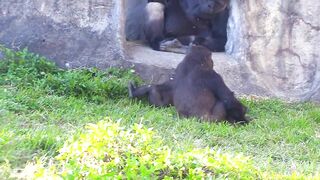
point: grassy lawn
(41, 107)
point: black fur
(154, 24)
(196, 91)
(158, 95)
(206, 19)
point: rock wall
(278, 42)
(273, 47)
(71, 32)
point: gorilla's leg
(158, 95)
(138, 91)
(218, 112)
(154, 25)
(162, 95)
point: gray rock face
(273, 47)
(279, 44)
(72, 33)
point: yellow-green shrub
(110, 150)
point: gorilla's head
(203, 9)
(200, 55)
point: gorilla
(195, 91)
(160, 95)
(201, 21)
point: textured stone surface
(72, 33)
(279, 44)
(273, 46)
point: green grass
(42, 106)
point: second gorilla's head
(203, 9)
(199, 55)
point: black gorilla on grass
(204, 20)
(196, 91)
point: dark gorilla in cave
(201, 21)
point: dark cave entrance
(219, 30)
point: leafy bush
(90, 83)
(23, 67)
(27, 70)
(109, 150)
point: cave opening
(139, 51)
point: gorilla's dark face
(203, 9)
(199, 50)
(211, 7)
(201, 55)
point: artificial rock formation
(72, 33)
(273, 47)
(278, 42)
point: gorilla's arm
(234, 109)
(215, 37)
(218, 37)
(220, 89)
(135, 19)
(154, 24)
